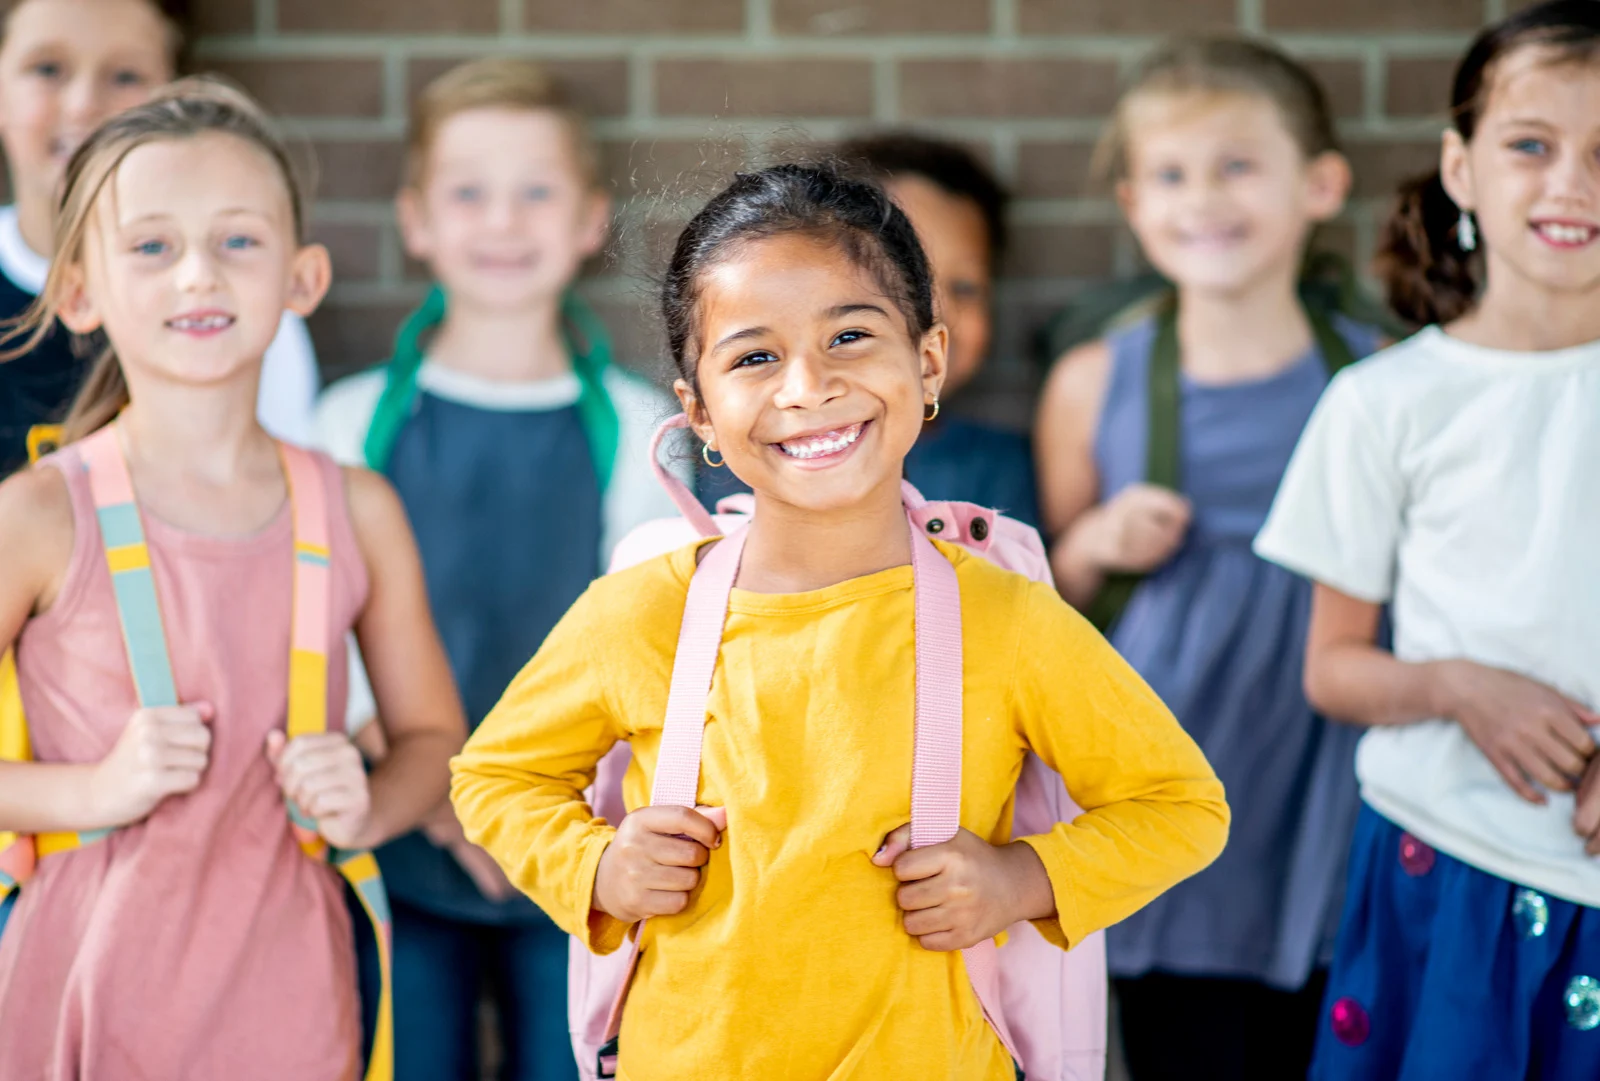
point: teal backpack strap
(590, 346)
(400, 388)
(587, 341)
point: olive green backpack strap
(1163, 461)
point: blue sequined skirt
(1445, 972)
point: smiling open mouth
(201, 324)
(822, 444)
(1565, 234)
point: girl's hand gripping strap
(677, 777)
(310, 634)
(936, 764)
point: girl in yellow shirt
(791, 934)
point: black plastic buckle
(605, 1060)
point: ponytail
(1428, 276)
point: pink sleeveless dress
(200, 943)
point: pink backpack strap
(681, 497)
(936, 757)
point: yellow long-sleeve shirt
(791, 960)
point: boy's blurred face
(66, 66)
(956, 238)
(503, 215)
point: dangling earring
(705, 455)
(1467, 232)
(927, 417)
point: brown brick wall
(682, 91)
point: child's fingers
(678, 822)
(916, 896)
(334, 801)
(664, 902)
(1541, 770)
(1512, 774)
(928, 921)
(675, 851)
(318, 747)
(921, 863)
(897, 842)
(1560, 754)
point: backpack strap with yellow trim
(144, 636)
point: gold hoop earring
(705, 455)
(927, 417)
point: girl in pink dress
(196, 939)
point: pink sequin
(1416, 858)
(1350, 1022)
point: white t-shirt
(289, 380)
(1461, 485)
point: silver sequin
(1531, 913)
(1583, 1003)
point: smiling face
(1219, 192)
(504, 214)
(1531, 174)
(190, 259)
(66, 66)
(810, 382)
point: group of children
(239, 666)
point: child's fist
(162, 752)
(324, 777)
(956, 894)
(654, 862)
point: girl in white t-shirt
(1456, 479)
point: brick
(1380, 167)
(880, 17)
(778, 87)
(350, 337)
(391, 17)
(1371, 16)
(1124, 16)
(353, 246)
(358, 168)
(1345, 83)
(223, 17)
(675, 169)
(598, 87)
(1420, 86)
(632, 16)
(1061, 251)
(1007, 88)
(1056, 171)
(345, 86)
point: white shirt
(289, 379)
(1461, 485)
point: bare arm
(1135, 531)
(418, 705)
(1531, 733)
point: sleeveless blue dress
(1220, 635)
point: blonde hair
(1221, 66)
(183, 110)
(495, 82)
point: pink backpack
(1047, 1006)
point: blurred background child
(519, 451)
(1160, 448)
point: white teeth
(818, 446)
(1567, 234)
(210, 322)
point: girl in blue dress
(1159, 450)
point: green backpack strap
(587, 340)
(1163, 460)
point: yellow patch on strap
(48, 844)
(308, 693)
(14, 745)
(130, 557)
